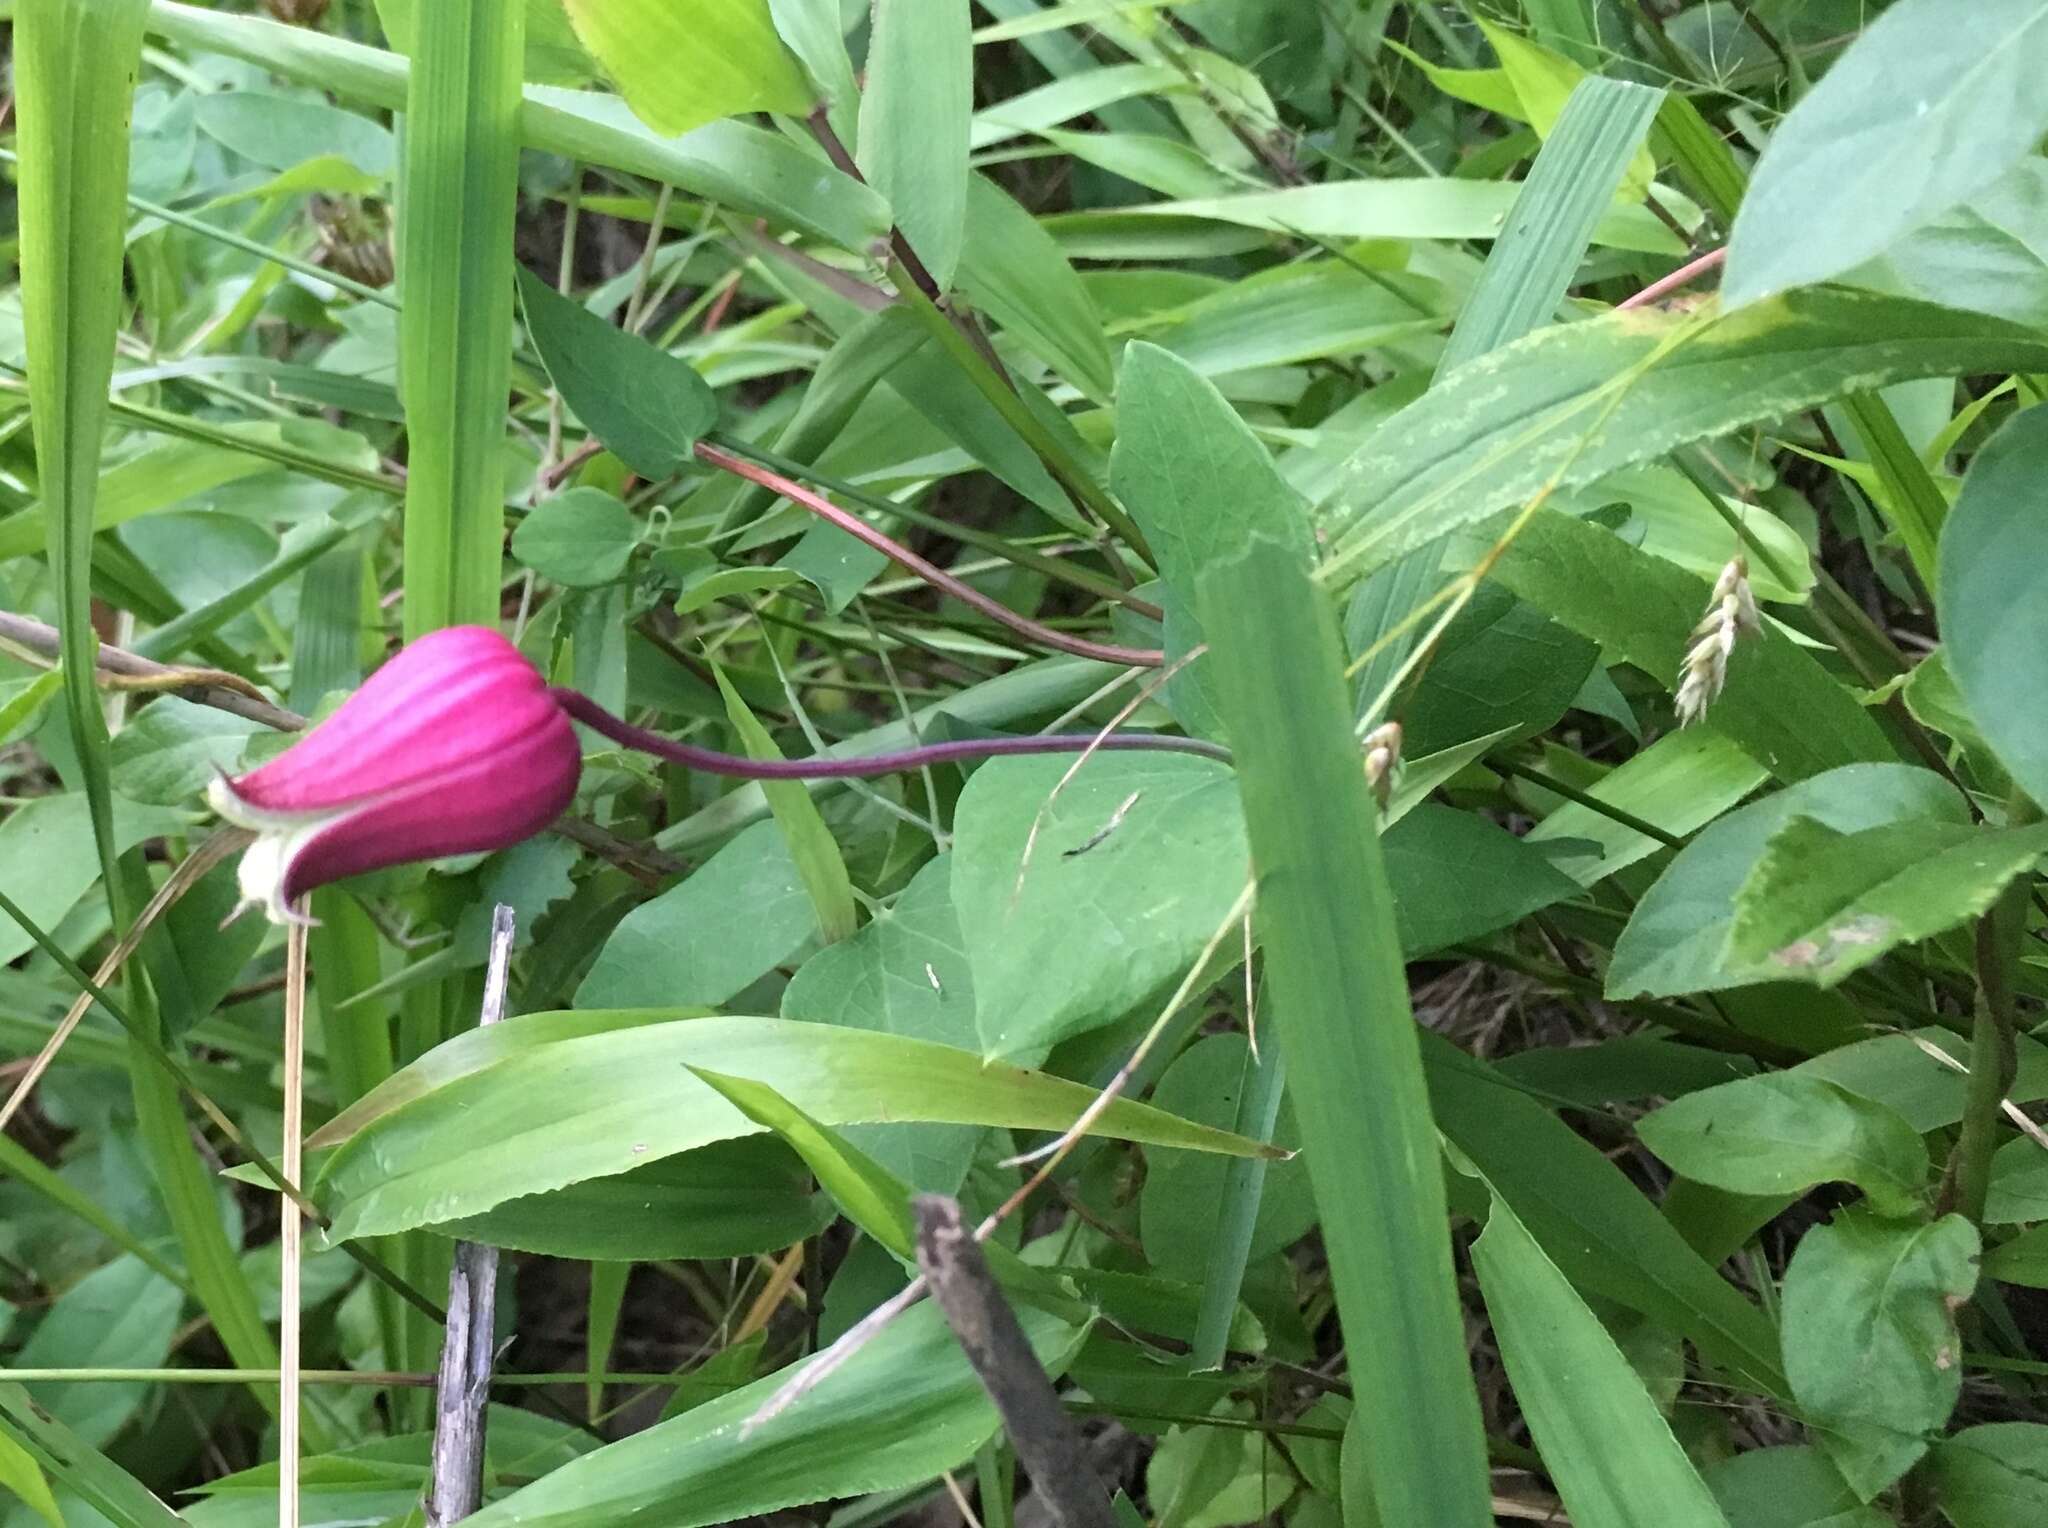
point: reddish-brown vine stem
(931, 573)
(1664, 286)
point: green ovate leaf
(1779, 704)
(742, 912)
(1784, 1132)
(581, 538)
(1676, 940)
(1918, 115)
(647, 406)
(2019, 1184)
(122, 1315)
(1871, 1345)
(279, 133)
(1789, 1486)
(1457, 876)
(1585, 1404)
(1078, 907)
(1501, 666)
(2023, 1260)
(1994, 595)
(905, 972)
(54, 835)
(1822, 904)
(680, 66)
(168, 753)
(1989, 255)
(1993, 1476)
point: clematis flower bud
(458, 746)
(455, 746)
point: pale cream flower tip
(1731, 614)
(1382, 758)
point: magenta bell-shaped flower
(455, 746)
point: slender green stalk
(75, 64)
(1526, 276)
(1994, 1040)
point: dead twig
(207, 687)
(462, 1392)
(1048, 1444)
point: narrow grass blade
(1569, 188)
(1710, 171)
(1570, 404)
(1614, 1459)
(355, 1043)
(914, 124)
(327, 642)
(1916, 503)
(1237, 1213)
(20, 1473)
(117, 1496)
(457, 195)
(811, 845)
(75, 63)
(607, 1298)
(1340, 999)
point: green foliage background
(1656, 1104)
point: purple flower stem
(1691, 271)
(931, 573)
(587, 711)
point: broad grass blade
(1340, 1001)
(457, 195)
